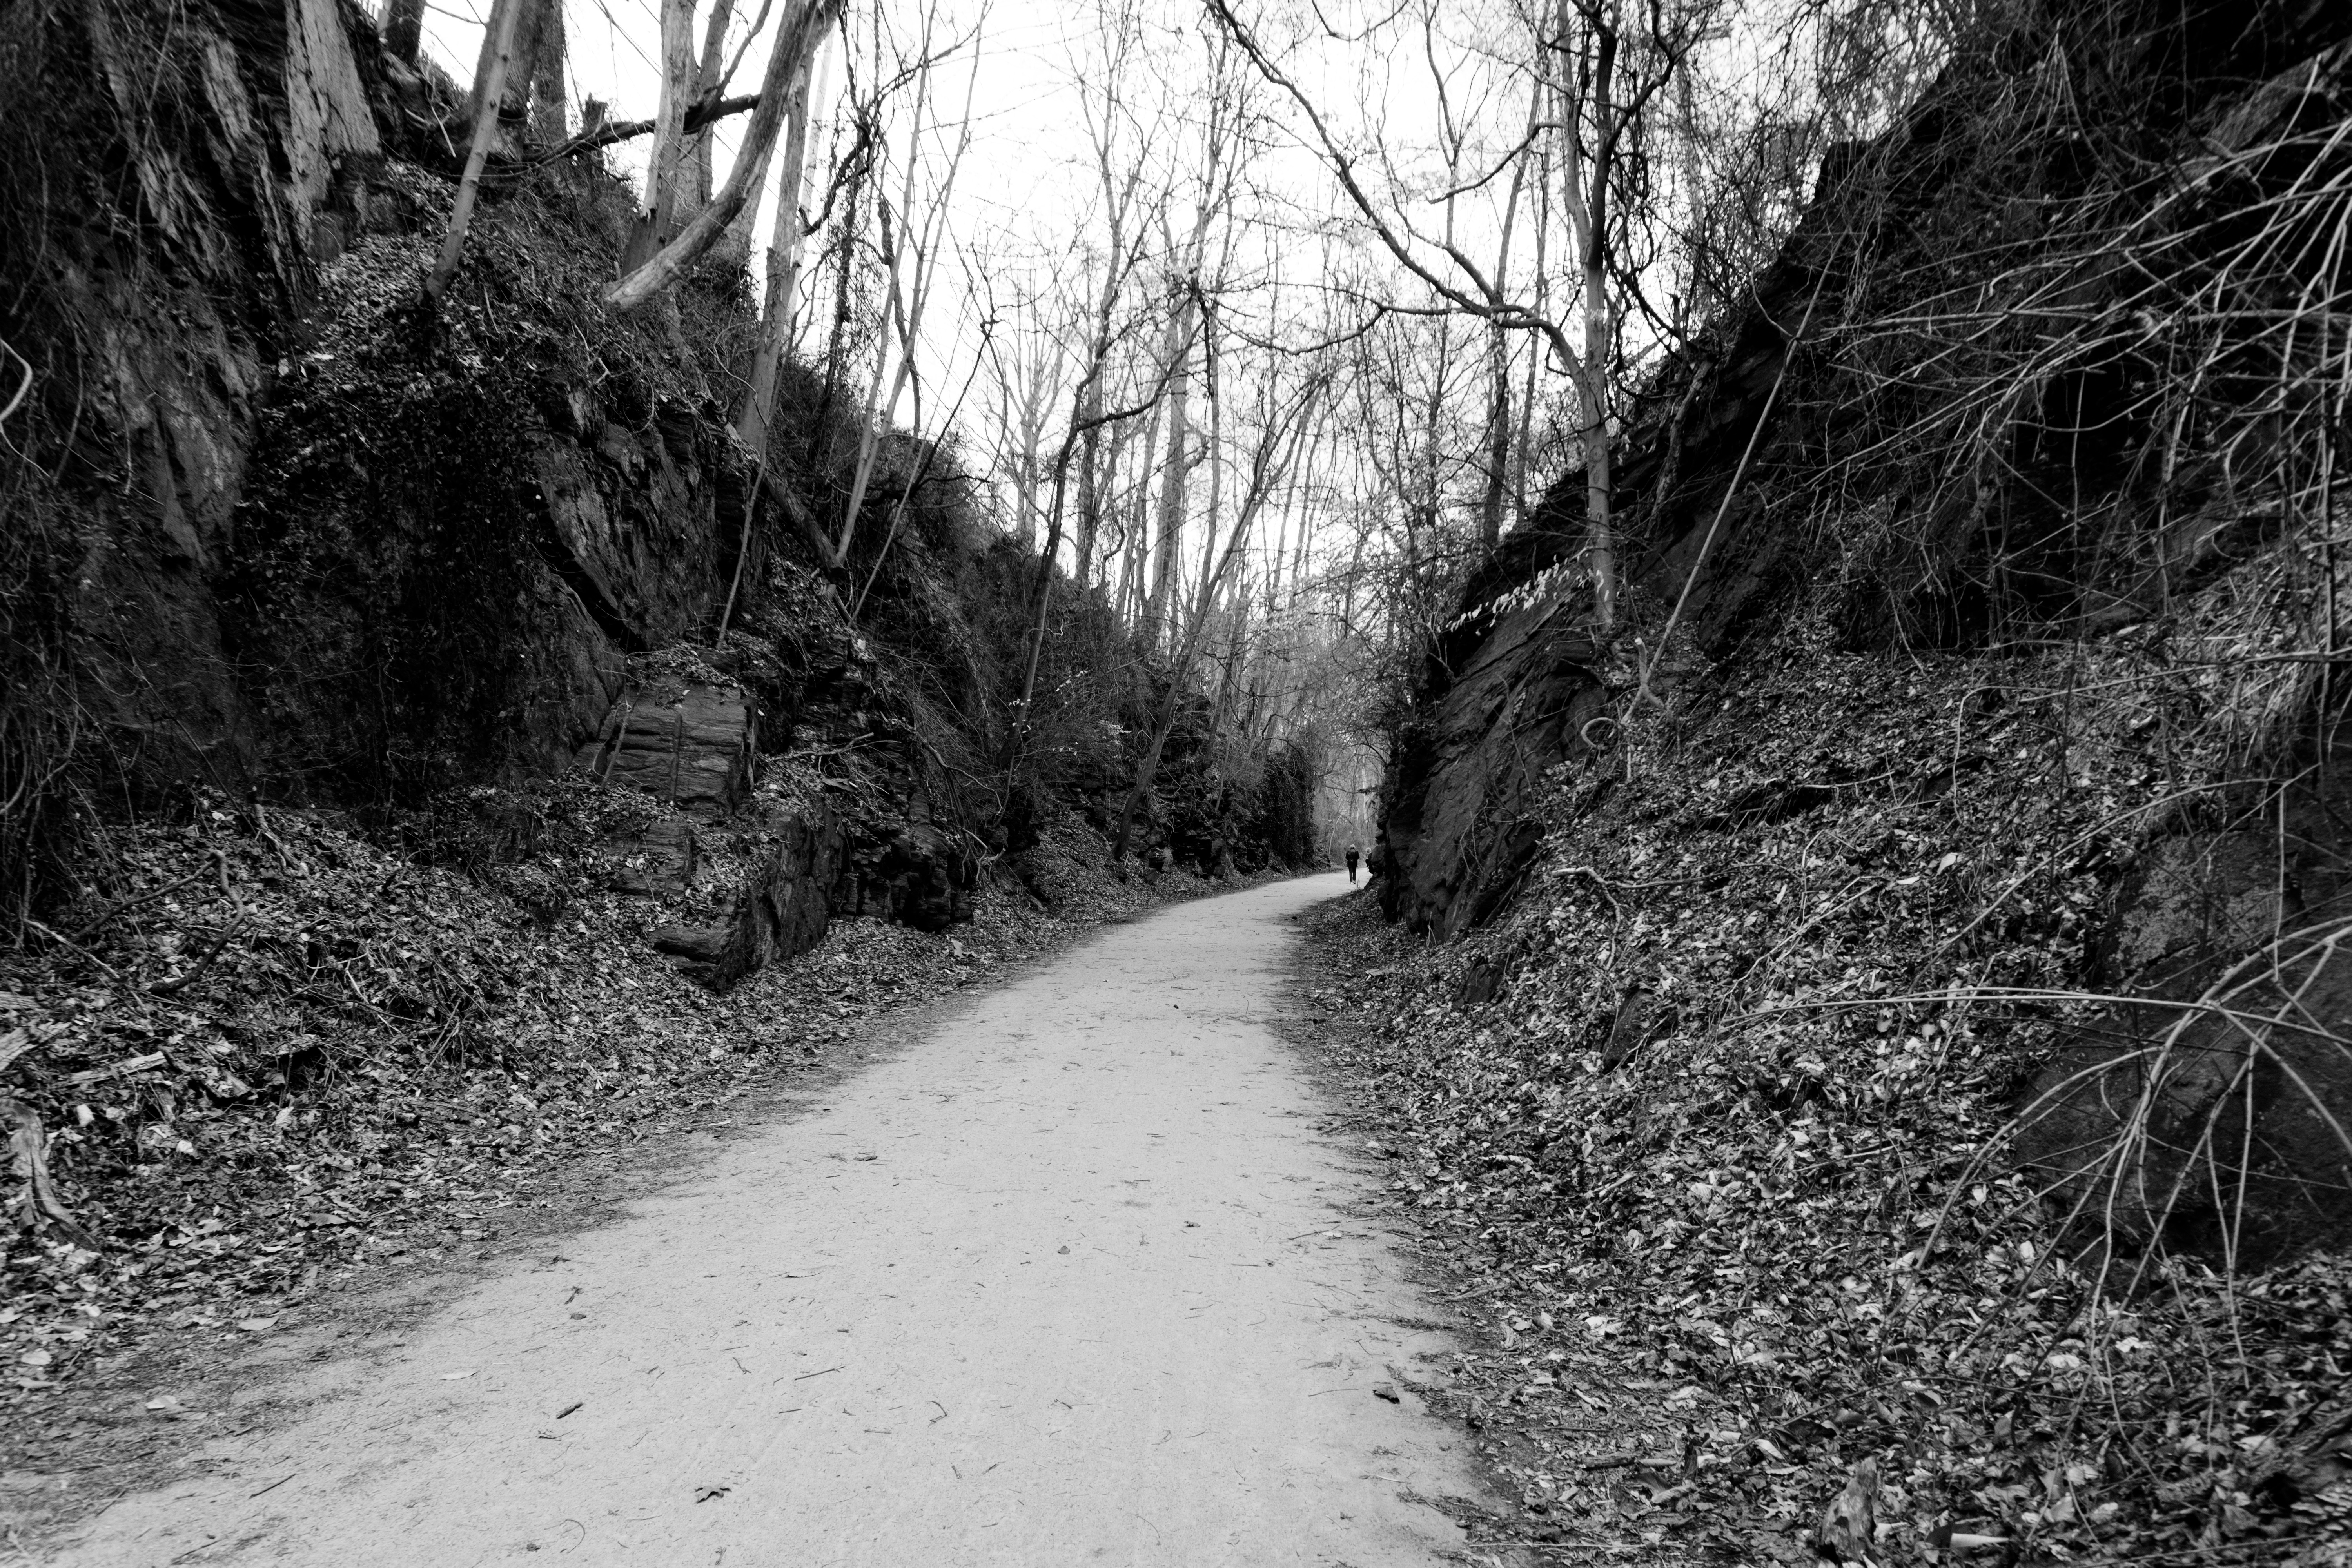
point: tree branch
(701, 114)
(1488, 304)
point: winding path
(1069, 1278)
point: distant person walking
(1354, 855)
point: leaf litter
(1754, 1285)
(274, 1055)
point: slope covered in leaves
(1718, 1117)
(284, 1056)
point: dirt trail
(1071, 1278)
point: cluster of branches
(1462, 319)
(1160, 400)
(1494, 266)
(519, 117)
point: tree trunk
(1175, 480)
(1587, 205)
(795, 39)
(1499, 442)
(1498, 402)
(487, 92)
(1131, 582)
(1536, 352)
(1089, 479)
(665, 165)
(733, 250)
(549, 118)
(753, 419)
(1599, 524)
(404, 28)
(696, 193)
(514, 90)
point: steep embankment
(1976, 675)
(279, 528)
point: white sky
(1025, 179)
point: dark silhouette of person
(1354, 855)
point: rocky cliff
(2003, 505)
(280, 531)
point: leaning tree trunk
(1168, 563)
(488, 92)
(753, 420)
(665, 166)
(796, 39)
(531, 18)
(550, 117)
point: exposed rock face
(693, 745)
(921, 876)
(148, 292)
(785, 910)
(301, 572)
(1519, 707)
(693, 752)
(1518, 684)
(1761, 486)
(2224, 1120)
(634, 513)
(663, 861)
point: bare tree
(1288, 392)
(488, 92)
(1598, 65)
(665, 168)
(757, 410)
(797, 36)
(909, 287)
(1228, 112)
(1028, 381)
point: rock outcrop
(2036, 487)
(691, 748)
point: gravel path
(1071, 1277)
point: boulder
(2213, 1113)
(693, 751)
(920, 875)
(1461, 825)
(661, 863)
(785, 906)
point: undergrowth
(1732, 1094)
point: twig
(60, 937)
(91, 927)
(174, 987)
(25, 389)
